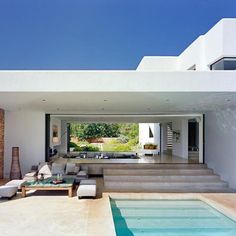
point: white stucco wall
(220, 148)
(193, 55)
(181, 148)
(56, 122)
(218, 42)
(163, 137)
(144, 133)
(158, 63)
(25, 130)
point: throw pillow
(45, 169)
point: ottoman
(8, 191)
(87, 188)
(16, 182)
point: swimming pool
(169, 218)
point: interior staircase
(164, 178)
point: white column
(200, 124)
(163, 137)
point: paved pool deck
(50, 213)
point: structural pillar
(1, 143)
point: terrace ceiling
(103, 103)
(117, 92)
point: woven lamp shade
(15, 164)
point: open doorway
(156, 139)
(193, 140)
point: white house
(198, 86)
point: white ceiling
(126, 118)
(117, 102)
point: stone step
(168, 184)
(163, 178)
(193, 190)
(156, 166)
(167, 187)
(160, 178)
(142, 172)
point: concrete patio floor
(54, 213)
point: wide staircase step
(164, 178)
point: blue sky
(101, 34)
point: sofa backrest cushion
(72, 168)
(58, 168)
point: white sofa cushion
(72, 168)
(58, 168)
(8, 191)
(87, 188)
(31, 174)
(16, 182)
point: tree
(94, 130)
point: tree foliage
(94, 130)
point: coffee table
(68, 184)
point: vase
(15, 172)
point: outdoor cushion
(45, 169)
(58, 168)
(82, 173)
(72, 168)
(31, 174)
(8, 191)
(16, 182)
(87, 188)
(88, 182)
(41, 164)
(77, 168)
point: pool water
(169, 218)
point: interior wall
(180, 148)
(55, 122)
(25, 130)
(62, 148)
(163, 137)
(144, 133)
(220, 148)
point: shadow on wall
(226, 120)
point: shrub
(123, 139)
(87, 148)
(122, 148)
(73, 145)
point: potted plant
(150, 146)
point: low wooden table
(47, 184)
